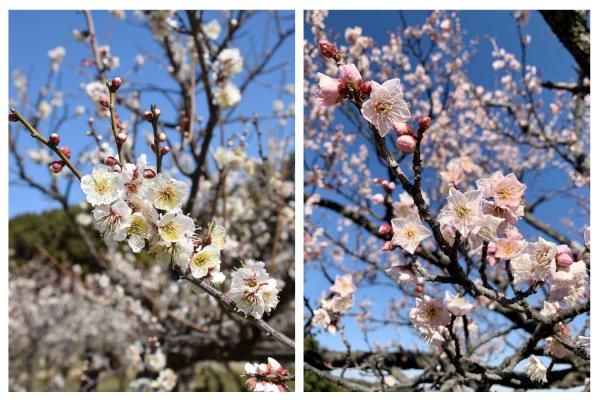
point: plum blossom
(507, 248)
(386, 107)
(508, 191)
(569, 285)
(174, 226)
(227, 96)
(253, 292)
(409, 232)
(535, 263)
(463, 211)
(343, 285)
(167, 193)
(430, 316)
(138, 232)
(457, 305)
(535, 370)
(113, 221)
(331, 90)
(103, 186)
(205, 262)
(405, 275)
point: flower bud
(56, 166)
(404, 128)
(165, 150)
(149, 173)
(420, 288)
(366, 88)
(110, 161)
(389, 186)
(424, 124)
(385, 229)
(406, 144)
(387, 246)
(54, 139)
(162, 137)
(121, 138)
(115, 83)
(492, 247)
(12, 116)
(376, 181)
(328, 49)
(377, 198)
(66, 151)
(156, 112)
(564, 260)
(250, 383)
(148, 116)
(563, 248)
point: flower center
(504, 193)
(101, 186)
(384, 107)
(168, 196)
(410, 233)
(462, 211)
(171, 231)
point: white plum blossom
(343, 285)
(430, 317)
(253, 292)
(175, 226)
(409, 232)
(230, 61)
(212, 30)
(463, 211)
(167, 193)
(227, 96)
(177, 253)
(386, 107)
(103, 186)
(457, 305)
(138, 232)
(536, 370)
(205, 262)
(113, 221)
(537, 262)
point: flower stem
(36, 135)
(113, 125)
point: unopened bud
(385, 229)
(115, 83)
(387, 246)
(156, 112)
(420, 288)
(406, 144)
(54, 139)
(162, 137)
(165, 150)
(121, 138)
(12, 117)
(149, 173)
(377, 198)
(564, 260)
(66, 151)
(328, 49)
(110, 161)
(251, 383)
(56, 166)
(424, 124)
(148, 116)
(403, 128)
(563, 248)
(389, 186)
(366, 88)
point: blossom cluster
(267, 377)
(336, 304)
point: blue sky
(33, 33)
(545, 52)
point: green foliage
(55, 232)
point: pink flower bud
(66, 151)
(564, 260)
(54, 139)
(121, 138)
(165, 150)
(420, 288)
(162, 137)
(406, 144)
(328, 49)
(403, 128)
(251, 383)
(149, 173)
(563, 248)
(385, 229)
(387, 246)
(56, 166)
(366, 88)
(377, 198)
(110, 161)
(424, 124)
(115, 83)
(389, 186)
